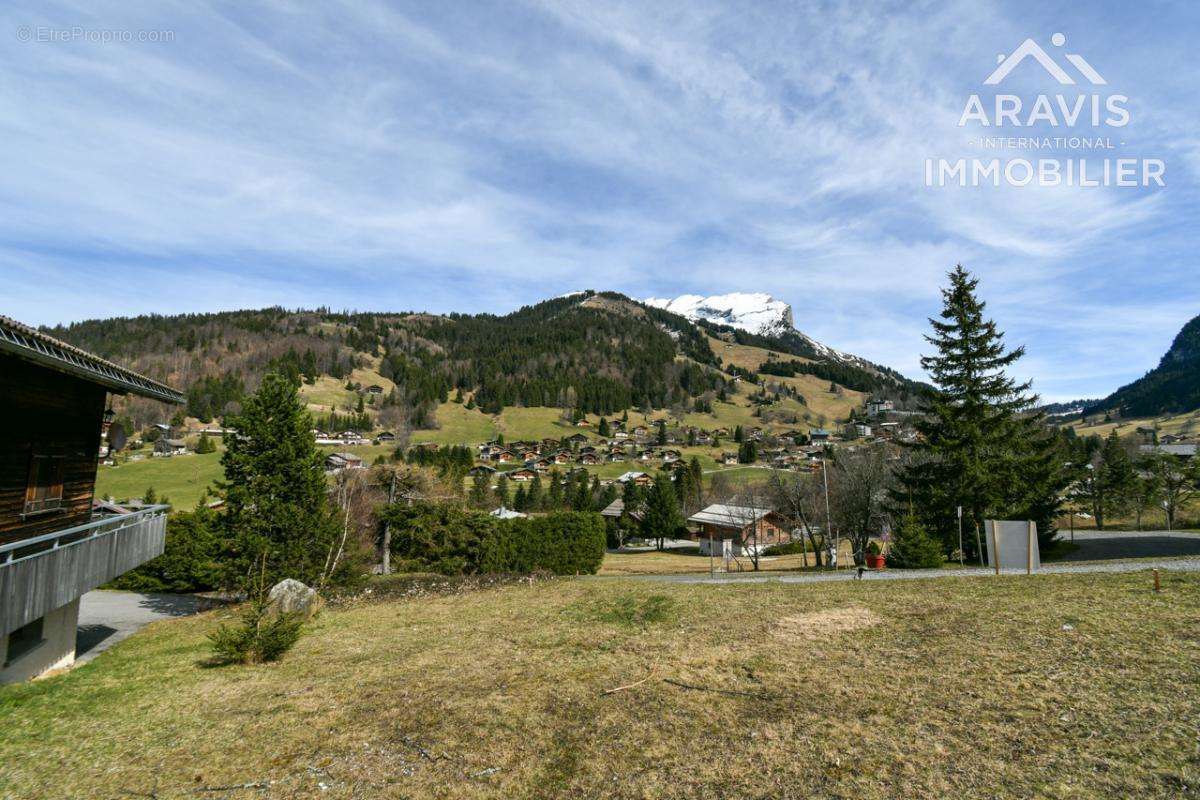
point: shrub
(452, 540)
(190, 561)
(912, 547)
(260, 637)
(873, 548)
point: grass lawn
(328, 394)
(458, 425)
(536, 423)
(1058, 686)
(675, 562)
(1186, 424)
(182, 479)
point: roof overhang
(30, 344)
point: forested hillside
(1171, 387)
(595, 353)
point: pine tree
(1115, 481)
(502, 490)
(521, 499)
(534, 498)
(662, 432)
(205, 445)
(555, 495)
(912, 547)
(739, 435)
(662, 519)
(602, 429)
(277, 515)
(980, 446)
(480, 489)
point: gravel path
(1165, 564)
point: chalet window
(23, 640)
(44, 490)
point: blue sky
(480, 156)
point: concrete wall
(56, 650)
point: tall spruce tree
(981, 447)
(1115, 481)
(279, 520)
(662, 518)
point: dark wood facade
(50, 425)
(767, 531)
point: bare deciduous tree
(799, 499)
(858, 484)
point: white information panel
(1012, 544)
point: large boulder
(290, 596)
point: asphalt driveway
(106, 618)
(1106, 545)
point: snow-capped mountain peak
(754, 312)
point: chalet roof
(1184, 450)
(34, 346)
(506, 513)
(729, 516)
(617, 507)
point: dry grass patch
(972, 689)
(825, 623)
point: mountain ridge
(1171, 387)
(598, 352)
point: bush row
(457, 541)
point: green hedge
(457, 541)
(794, 547)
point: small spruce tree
(912, 547)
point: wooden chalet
(730, 530)
(53, 548)
(336, 462)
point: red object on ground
(875, 562)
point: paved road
(106, 618)
(1102, 545)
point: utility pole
(960, 541)
(828, 516)
(387, 530)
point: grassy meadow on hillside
(181, 479)
(1187, 424)
(1056, 686)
